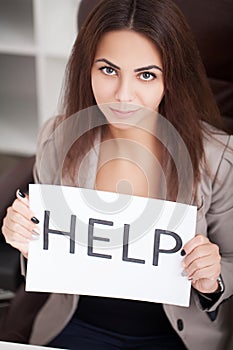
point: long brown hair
(188, 98)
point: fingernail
(35, 232)
(182, 253)
(21, 194)
(35, 237)
(35, 220)
(184, 273)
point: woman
(137, 61)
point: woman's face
(127, 75)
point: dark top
(128, 317)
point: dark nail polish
(35, 220)
(182, 253)
(21, 194)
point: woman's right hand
(20, 224)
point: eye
(108, 70)
(147, 76)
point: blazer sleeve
(220, 219)
(45, 165)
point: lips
(123, 113)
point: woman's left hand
(202, 264)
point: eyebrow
(153, 66)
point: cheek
(101, 89)
(153, 97)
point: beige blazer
(198, 328)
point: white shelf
(18, 50)
(56, 37)
(36, 38)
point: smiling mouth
(124, 113)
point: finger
(24, 229)
(198, 240)
(209, 251)
(23, 197)
(210, 272)
(200, 264)
(198, 252)
(22, 208)
(15, 219)
(17, 223)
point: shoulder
(216, 185)
(46, 154)
(47, 130)
(218, 149)
(49, 137)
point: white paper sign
(106, 244)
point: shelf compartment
(16, 25)
(18, 104)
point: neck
(134, 143)
(143, 133)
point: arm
(207, 257)
(220, 220)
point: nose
(125, 90)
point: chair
(212, 24)
(18, 176)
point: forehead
(128, 48)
